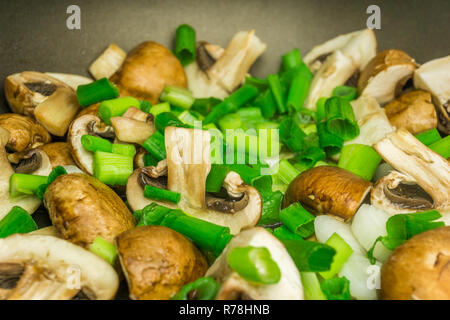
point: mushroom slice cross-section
(434, 77)
(188, 164)
(418, 165)
(39, 267)
(234, 287)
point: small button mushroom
(434, 77)
(385, 75)
(412, 111)
(51, 102)
(158, 261)
(419, 269)
(234, 287)
(40, 267)
(28, 203)
(147, 69)
(59, 153)
(82, 208)
(86, 124)
(328, 190)
(423, 180)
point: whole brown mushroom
(147, 69)
(419, 269)
(329, 190)
(83, 208)
(158, 261)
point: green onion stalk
(359, 159)
(96, 91)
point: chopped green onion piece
(111, 168)
(270, 208)
(267, 125)
(155, 145)
(343, 252)
(311, 286)
(145, 106)
(340, 118)
(254, 264)
(96, 91)
(266, 102)
(345, 92)
(216, 177)
(250, 115)
(16, 221)
(359, 159)
(104, 250)
(167, 119)
(116, 108)
(298, 220)
(153, 214)
(205, 288)
(311, 156)
(287, 76)
(291, 134)
(283, 233)
(206, 235)
(336, 288)
(320, 109)
(128, 150)
(329, 142)
(177, 96)
(204, 105)
(402, 227)
(25, 184)
(298, 91)
(94, 143)
(286, 171)
(55, 173)
(237, 99)
(308, 255)
(261, 84)
(428, 137)
(291, 60)
(155, 193)
(442, 147)
(160, 108)
(187, 118)
(149, 160)
(277, 91)
(230, 121)
(185, 44)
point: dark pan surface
(34, 35)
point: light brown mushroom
(134, 126)
(83, 208)
(385, 75)
(51, 102)
(434, 77)
(412, 111)
(234, 287)
(423, 177)
(419, 269)
(158, 261)
(329, 190)
(40, 267)
(147, 69)
(25, 133)
(59, 153)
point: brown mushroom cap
(412, 111)
(147, 69)
(419, 268)
(59, 153)
(158, 261)
(25, 133)
(83, 208)
(329, 190)
(385, 75)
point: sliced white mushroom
(233, 286)
(423, 180)
(52, 102)
(39, 267)
(72, 80)
(132, 130)
(434, 77)
(108, 62)
(385, 75)
(28, 203)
